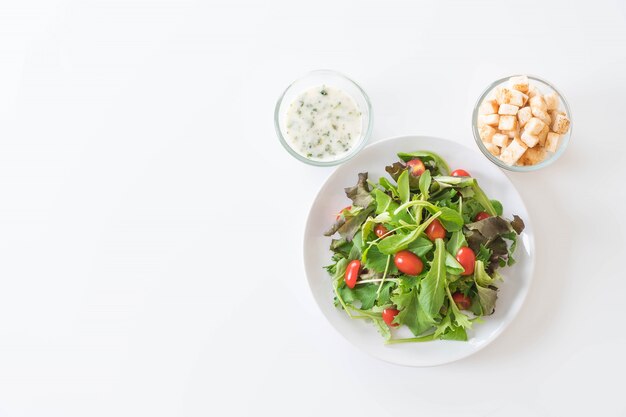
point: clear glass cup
(545, 87)
(334, 79)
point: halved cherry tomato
(460, 173)
(416, 167)
(435, 230)
(462, 300)
(482, 216)
(352, 273)
(341, 211)
(467, 259)
(388, 315)
(380, 230)
(408, 262)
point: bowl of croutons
(522, 123)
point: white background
(151, 224)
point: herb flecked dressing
(323, 123)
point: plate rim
(497, 333)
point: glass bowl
(330, 78)
(545, 87)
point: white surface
(136, 154)
(364, 335)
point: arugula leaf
(460, 319)
(480, 275)
(382, 328)
(403, 186)
(450, 219)
(456, 242)
(479, 194)
(497, 207)
(420, 246)
(411, 313)
(452, 265)
(424, 184)
(432, 287)
(455, 333)
(377, 261)
(483, 254)
(360, 193)
(384, 182)
(384, 297)
(366, 294)
(394, 243)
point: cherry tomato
(460, 173)
(416, 167)
(435, 230)
(341, 211)
(481, 216)
(408, 262)
(462, 300)
(352, 273)
(388, 315)
(467, 259)
(380, 230)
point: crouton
(486, 133)
(542, 115)
(524, 115)
(529, 139)
(532, 156)
(560, 124)
(552, 141)
(533, 91)
(543, 135)
(511, 133)
(537, 102)
(534, 126)
(493, 149)
(488, 107)
(507, 123)
(513, 152)
(519, 83)
(508, 109)
(488, 119)
(514, 97)
(500, 140)
(551, 100)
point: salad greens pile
(391, 224)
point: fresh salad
(422, 251)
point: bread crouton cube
(534, 126)
(511, 133)
(513, 152)
(560, 124)
(529, 139)
(488, 107)
(541, 115)
(493, 149)
(533, 91)
(507, 123)
(508, 109)
(488, 119)
(524, 115)
(508, 96)
(551, 100)
(519, 83)
(539, 103)
(486, 133)
(500, 140)
(543, 135)
(552, 141)
(532, 156)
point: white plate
(331, 198)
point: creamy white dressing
(323, 123)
